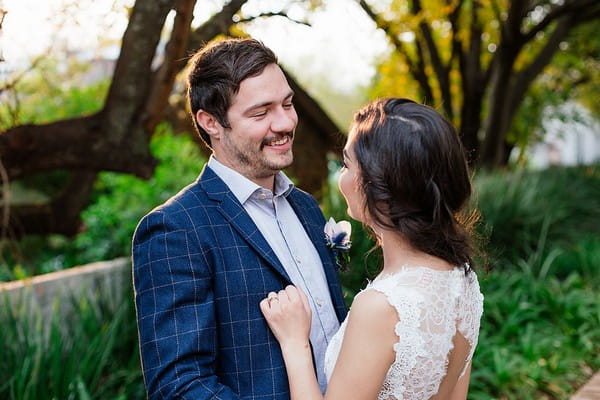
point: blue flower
(337, 236)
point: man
(204, 260)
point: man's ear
(209, 123)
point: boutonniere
(337, 236)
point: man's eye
(259, 114)
(288, 105)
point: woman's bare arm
(462, 386)
(366, 353)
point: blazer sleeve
(175, 310)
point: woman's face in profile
(349, 181)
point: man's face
(262, 120)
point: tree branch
(217, 24)
(527, 75)
(567, 8)
(415, 68)
(273, 14)
(130, 86)
(441, 70)
(456, 43)
(165, 75)
(76, 144)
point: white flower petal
(344, 226)
(330, 228)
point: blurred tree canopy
(476, 60)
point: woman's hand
(288, 315)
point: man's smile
(279, 142)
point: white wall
(574, 141)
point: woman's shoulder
(369, 300)
(373, 314)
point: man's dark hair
(414, 175)
(216, 72)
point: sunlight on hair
(411, 122)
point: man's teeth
(279, 142)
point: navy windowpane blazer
(200, 269)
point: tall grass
(559, 205)
(90, 352)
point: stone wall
(60, 290)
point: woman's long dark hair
(415, 177)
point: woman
(412, 332)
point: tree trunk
(473, 86)
(61, 215)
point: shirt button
(319, 303)
(298, 260)
(262, 196)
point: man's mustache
(268, 140)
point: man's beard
(255, 163)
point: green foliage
(92, 354)
(574, 74)
(560, 206)
(575, 71)
(539, 335)
(37, 98)
(121, 200)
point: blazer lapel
(236, 215)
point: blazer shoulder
(188, 197)
(177, 210)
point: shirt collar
(242, 187)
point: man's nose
(285, 120)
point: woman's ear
(209, 123)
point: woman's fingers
(305, 303)
(286, 300)
(288, 315)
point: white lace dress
(431, 305)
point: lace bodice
(431, 306)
